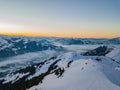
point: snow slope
(67, 71)
(115, 54)
(84, 73)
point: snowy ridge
(79, 77)
(90, 72)
(115, 54)
(73, 69)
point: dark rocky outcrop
(100, 51)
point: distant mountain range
(11, 45)
(89, 41)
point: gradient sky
(61, 18)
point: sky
(61, 18)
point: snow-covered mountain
(84, 73)
(43, 63)
(67, 71)
(11, 46)
(84, 41)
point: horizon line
(34, 35)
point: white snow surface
(43, 69)
(84, 73)
(13, 78)
(115, 54)
(65, 58)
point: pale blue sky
(61, 16)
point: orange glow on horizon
(67, 35)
